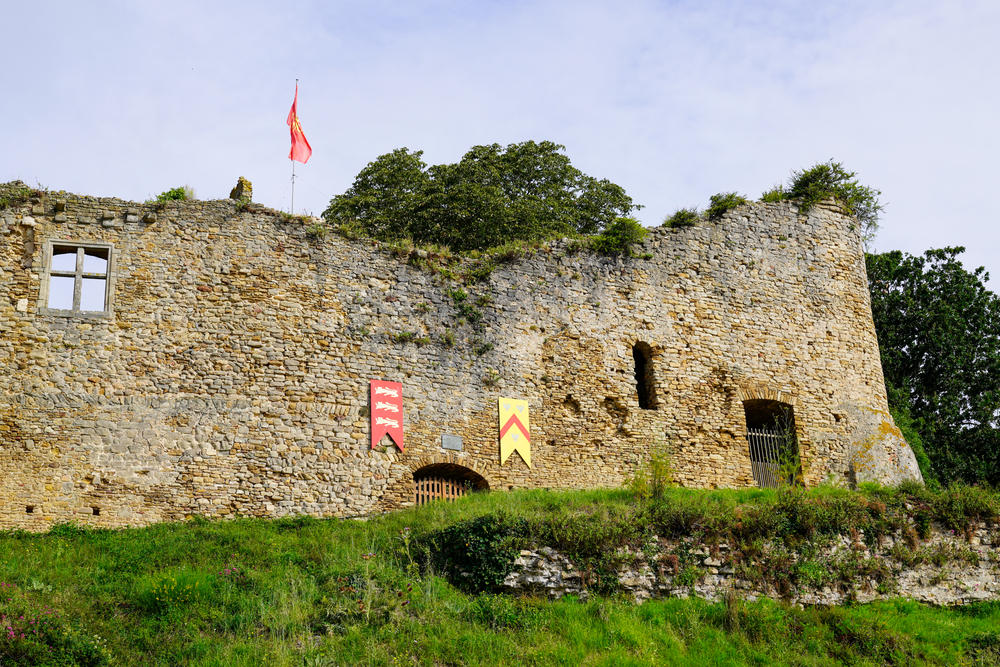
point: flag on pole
(301, 150)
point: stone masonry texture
(230, 375)
(944, 569)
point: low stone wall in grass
(944, 567)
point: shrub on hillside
(477, 554)
(654, 476)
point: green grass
(309, 591)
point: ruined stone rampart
(943, 569)
(230, 372)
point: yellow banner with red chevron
(515, 429)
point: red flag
(301, 150)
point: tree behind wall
(527, 191)
(939, 334)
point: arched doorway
(446, 480)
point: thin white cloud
(675, 101)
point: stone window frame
(109, 278)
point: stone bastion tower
(214, 358)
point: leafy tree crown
(938, 328)
(527, 191)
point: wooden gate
(433, 488)
(446, 481)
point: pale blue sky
(673, 100)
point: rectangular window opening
(78, 278)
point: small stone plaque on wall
(452, 442)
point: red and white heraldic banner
(387, 411)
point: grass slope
(315, 592)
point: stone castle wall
(230, 376)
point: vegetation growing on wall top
(527, 191)
(619, 237)
(180, 193)
(827, 180)
(807, 187)
(683, 217)
(721, 203)
(14, 194)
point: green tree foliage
(386, 197)
(527, 191)
(939, 335)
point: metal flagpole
(292, 211)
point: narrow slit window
(645, 381)
(78, 278)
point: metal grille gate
(433, 488)
(766, 448)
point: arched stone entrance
(447, 481)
